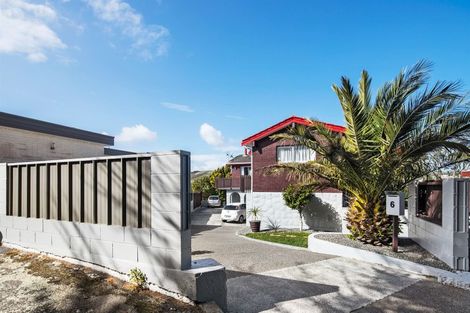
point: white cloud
(136, 133)
(211, 135)
(204, 162)
(148, 41)
(178, 107)
(24, 29)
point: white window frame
(290, 155)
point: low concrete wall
(444, 241)
(325, 213)
(460, 280)
(163, 251)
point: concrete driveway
(267, 278)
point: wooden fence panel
(23, 172)
(145, 192)
(114, 191)
(76, 191)
(102, 192)
(15, 192)
(43, 194)
(33, 186)
(87, 205)
(132, 205)
(53, 192)
(64, 194)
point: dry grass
(90, 286)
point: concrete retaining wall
(459, 279)
(325, 213)
(162, 251)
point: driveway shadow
(255, 293)
(197, 229)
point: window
(430, 201)
(299, 154)
(235, 197)
(245, 170)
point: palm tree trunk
(368, 222)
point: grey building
(27, 139)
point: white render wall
(325, 213)
(242, 196)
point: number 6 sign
(395, 203)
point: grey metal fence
(111, 190)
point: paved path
(424, 296)
(266, 278)
(207, 216)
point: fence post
(170, 218)
(3, 188)
(3, 200)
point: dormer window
(294, 154)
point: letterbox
(395, 203)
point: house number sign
(395, 203)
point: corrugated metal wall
(112, 191)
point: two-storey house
(265, 191)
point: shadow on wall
(322, 216)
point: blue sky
(202, 75)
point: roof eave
(283, 124)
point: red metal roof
(283, 124)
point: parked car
(214, 201)
(234, 212)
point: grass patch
(292, 238)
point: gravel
(407, 250)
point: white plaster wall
(324, 214)
(242, 195)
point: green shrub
(137, 277)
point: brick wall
(235, 171)
(18, 145)
(264, 155)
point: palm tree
(387, 144)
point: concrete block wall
(325, 213)
(437, 239)
(162, 251)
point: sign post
(395, 206)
